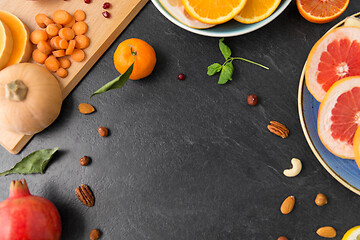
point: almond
(287, 205)
(326, 232)
(86, 108)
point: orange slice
(321, 11)
(177, 10)
(339, 117)
(333, 57)
(257, 10)
(213, 11)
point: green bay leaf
(35, 162)
(118, 82)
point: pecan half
(278, 129)
(85, 195)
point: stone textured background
(190, 159)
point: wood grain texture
(102, 33)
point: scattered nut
(85, 160)
(287, 205)
(86, 108)
(85, 195)
(320, 199)
(326, 232)
(278, 129)
(282, 238)
(295, 170)
(252, 100)
(94, 234)
(103, 131)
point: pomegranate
(27, 217)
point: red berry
(181, 76)
(252, 99)
(87, 1)
(106, 5)
(106, 14)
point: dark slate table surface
(190, 159)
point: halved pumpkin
(21, 51)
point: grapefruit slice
(352, 234)
(339, 117)
(177, 10)
(333, 57)
(352, 22)
(257, 10)
(321, 11)
(356, 146)
(213, 11)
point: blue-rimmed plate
(229, 29)
(343, 170)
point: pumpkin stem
(16, 91)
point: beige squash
(6, 44)
(30, 98)
(22, 47)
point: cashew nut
(295, 170)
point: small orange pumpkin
(30, 98)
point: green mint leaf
(214, 68)
(226, 73)
(33, 163)
(118, 82)
(225, 50)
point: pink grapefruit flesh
(339, 117)
(335, 56)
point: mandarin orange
(136, 50)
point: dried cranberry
(106, 5)
(106, 14)
(87, 1)
(181, 76)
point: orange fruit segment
(213, 11)
(257, 10)
(177, 10)
(136, 50)
(333, 57)
(321, 11)
(339, 117)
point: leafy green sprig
(227, 68)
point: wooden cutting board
(102, 33)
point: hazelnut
(252, 100)
(85, 160)
(282, 238)
(103, 131)
(320, 199)
(94, 234)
